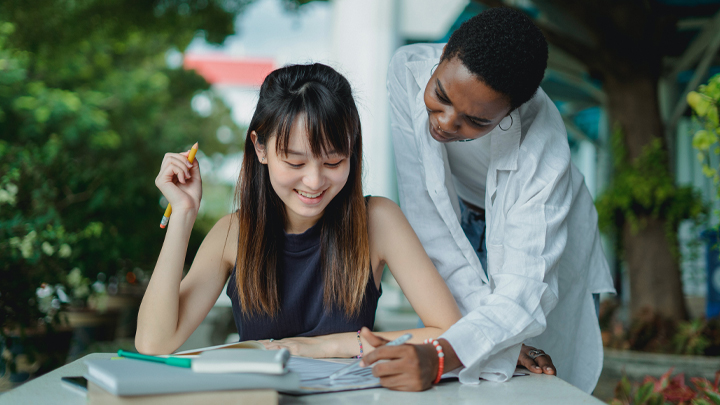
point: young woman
(305, 251)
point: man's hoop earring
(505, 129)
(432, 69)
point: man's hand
(541, 364)
(408, 367)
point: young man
(507, 218)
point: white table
(532, 389)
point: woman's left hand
(300, 346)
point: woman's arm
(393, 242)
(173, 307)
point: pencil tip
(195, 146)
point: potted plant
(667, 391)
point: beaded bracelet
(441, 358)
(359, 343)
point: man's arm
(415, 367)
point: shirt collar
(422, 70)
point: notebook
(136, 377)
(241, 361)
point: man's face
(460, 106)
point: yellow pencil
(168, 210)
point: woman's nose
(313, 179)
(447, 120)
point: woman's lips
(308, 200)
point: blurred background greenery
(88, 107)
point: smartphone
(78, 384)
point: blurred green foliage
(704, 103)
(643, 188)
(88, 107)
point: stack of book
(227, 376)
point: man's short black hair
(504, 49)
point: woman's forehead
(299, 142)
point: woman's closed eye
(328, 164)
(477, 124)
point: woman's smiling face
(460, 106)
(305, 183)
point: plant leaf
(703, 140)
(665, 378)
(643, 393)
(702, 384)
(713, 396)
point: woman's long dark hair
(323, 97)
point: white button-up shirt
(544, 254)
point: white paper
(315, 375)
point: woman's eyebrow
(442, 90)
(444, 94)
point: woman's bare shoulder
(380, 208)
(384, 217)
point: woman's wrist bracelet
(360, 344)
(441, 358)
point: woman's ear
(259, 148)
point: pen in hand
(168, 210)
(353, 366)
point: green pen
(170, 361)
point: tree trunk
(655, 286)
(655, 283)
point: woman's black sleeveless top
(300, 292)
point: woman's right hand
(180, 182)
